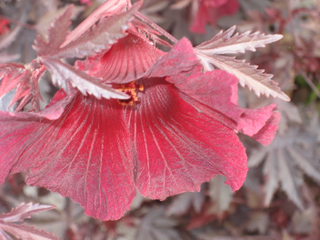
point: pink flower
(209, 11)
(175, 133)
(178, 129)
(3, 26)
(87, 2)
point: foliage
(8, 223)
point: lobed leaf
(225, 43)
(155, 225)
(9, 38)
(108, 8)
(182, 203)
(24, 211)
(26, 232)
(247, 74)
(210, 52)
(63, 73)
(4, 57)
(100, 37)
(304, 163)
(56, 34)
(221, 194)
(282, 160)
(23, 231)
(10, 75)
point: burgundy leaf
(63, 73)
(23, 231)
(25, 79)
(249, 75)
(56, 34)
(107, 9)
(102, 35)
(210, 56)
(4, 57)
(225, 43)
(24, 211)
(9, 38)
(10, 75)
(4, 235)
(156, 226)
(182, 203)
(26, 232)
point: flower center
(130, 89)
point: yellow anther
(130, 89)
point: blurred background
(281, 196)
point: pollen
(131, 90)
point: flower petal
(210, 13)
(84, 154)
(177, 147)
(171, 64)
(127, 60)
(217, 91)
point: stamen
(130, 89)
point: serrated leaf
(5, 101)
(286, 159)
(26, 232)
(248, 75)
(108, 8)
(63, 73)
(225, 43)
(289, 113)
(182, 203)
(180, 4)
(156, 226)
(258, 221)
(102, 35)
(9, 38)
(287, 180)
(23, 231)
(220, 193)
(52, 12)
(303, 163)
(10, 75)
(4, 57)
(270, 171)
(25, 79)
(210, 52)
(4, 236)
(56, 34)
(24, 211)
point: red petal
(211, 12)
(231, 7)
(127, 60)
(178, 148)
(201, 18)
(214, 3)
(267, 133)
(171, 64)
(217, 91)
(85, 155)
